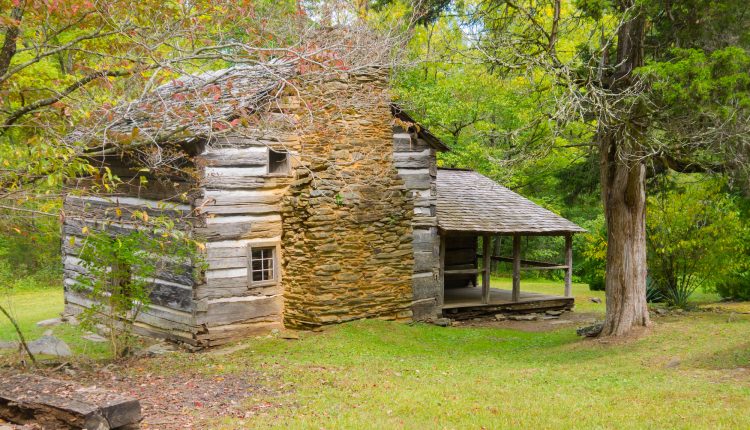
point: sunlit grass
(689, 372)
(374, 374)
(37, 302)
(581, 292)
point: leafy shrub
(695, 237)
(653, 292)
(736, 286)
(596, 283)
(120, 270)
(593, 267)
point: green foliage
(594, 9)
(695, 237)
(700, 104)
(120, 270)
(701, 80)
(594, 252)
(29, 259)
(653, 292)
(735, 286)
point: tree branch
(555, 25)
(683, 166)
(95, 35)
(21, 338)
(11, 37)
(15, 116)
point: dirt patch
(633, 335)
(187, 400)
(566, 320)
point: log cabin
(316, 201)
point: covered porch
(473, 212)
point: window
(278, 162)
(262, 269)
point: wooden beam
(461, 272)
(486, 240)
(52, 403)
(533, 263)
(516, 267)
(569, 263)
(542, 267)
(441, 281)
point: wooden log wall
(239, 205)
(416, 164)
(172, 306)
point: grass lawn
(581, 292)
(691, 371)
(32, 304)
(29, 306)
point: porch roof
(470, 202)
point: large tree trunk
(624, 198)
(623, 180)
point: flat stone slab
(93, 337)
(49, 322)
(50, 345)
(523, 317)
(56, 404)
(8, 345)
(556, 322)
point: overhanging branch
(15, 116)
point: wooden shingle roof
(468, 201)
(191, 106)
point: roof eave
(512, 232)
(422, 132)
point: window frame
(275, 249)
(287, 163)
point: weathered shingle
(190, 106)
(468, 201)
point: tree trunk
(624, 198)
(623, 180)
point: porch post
(516, 267)
(569, 264)
(441, 281)
(486, 250)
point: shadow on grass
(724, 359)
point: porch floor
(501, 300)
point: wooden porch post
(486, 251)
(441, 281)
(516, 267)
(569, 264)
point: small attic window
(278, 162)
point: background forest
(504, 121)
(462, 68)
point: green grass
(29, 306)
(581, 292)
(376, 374)
(32, 300)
